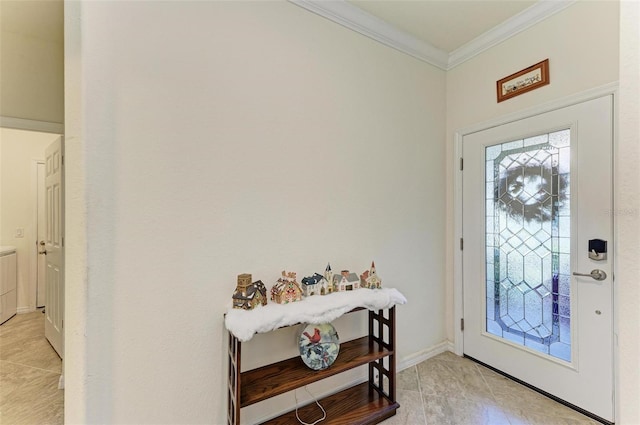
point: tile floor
(444, 390)
(448, 390)
(29, 373)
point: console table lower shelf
(360, 404)
(368, 403)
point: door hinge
(462, 324)
(62, 159)
(63, 241)
(461, 164)
(63, 323)
(461, 244)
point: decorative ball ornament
(319, 346)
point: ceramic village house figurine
(346, 281)
(369, 279)
(318, 284)
(247, 294)
(313, 285)
(286, 289)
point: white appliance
(8, 283)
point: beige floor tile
(411, 410)
(443, 376)
(449, 356)
(408, 379)
(29, 395)
(511, 395)
(437, 379)
(441, 410)
(458, 391)
(32, 351)
(532, 418)
(29, 373)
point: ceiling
(445, 24)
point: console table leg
(233, 403)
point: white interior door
(42, 232)
(535, 192)
(53, 248)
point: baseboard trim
(22, 310)
(420, 356)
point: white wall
(581, 43)
(32, 60)
(18, 150)
(628, 215)
(228, 138)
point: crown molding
(356, 19)
(31, 125)
(527, 18)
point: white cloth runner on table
(314, 309)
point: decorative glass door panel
(528, 232)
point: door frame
(458, 305)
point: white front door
(53, 248)
(537, 198)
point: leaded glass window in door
(528, 231)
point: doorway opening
(24, 224)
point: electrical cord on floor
(324, 413)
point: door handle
(43, 252)
(595, 274)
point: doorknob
(44, 251)
(596, 274)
